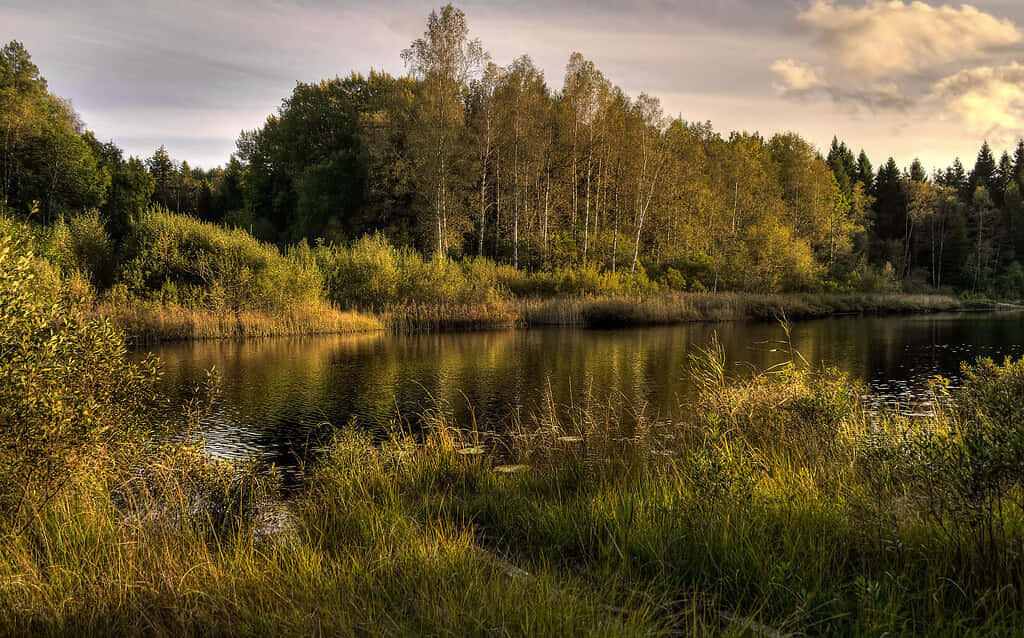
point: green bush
(81, 244)
(179, 259)
(585, 280)
(371, 273)
(67, 389)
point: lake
(280, 395)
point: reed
(672, 308)
(449, 317)
(155, 322)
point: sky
(897, 78)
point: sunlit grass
(670, 308)
(153, 322)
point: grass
(449, 317)
(778, 503)
(152, 322)
(353, 559)
(155, 322)
(671, 308)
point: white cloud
(796, 76)
(988, 100)
(885, 39)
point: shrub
(373, 274)
(179, 259)
(81, 244)
(66, 387)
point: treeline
(465, 158)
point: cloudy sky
(908, 79)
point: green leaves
(67, 389)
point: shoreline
(148, 324)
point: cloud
(889, 39)
(988, 100)
(913, 58)
(796, 76)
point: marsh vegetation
(775, 500)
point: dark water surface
(278, 394)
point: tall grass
(148, 323)
(778, 501)
(671, 308)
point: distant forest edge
(468, 184)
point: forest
(463, 159)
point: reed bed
(148, 323)
(672, 308)
(449, 317)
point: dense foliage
(465, 158)
(67, 389)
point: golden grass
(149, 323)
(670, 308)
(450, 317)
(146, 322)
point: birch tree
(444, 60)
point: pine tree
(956, 178)
(917, 172)
(865, 173)
(890, 206)
(984, 173)
(844, 167)
(1018, 164)
(1001, 179)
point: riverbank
(771, 506)
(151, 323)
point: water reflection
(279, 393)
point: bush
(373, 274)
(177, 259)
(67, 388)
(81, 244)
(1010, 284)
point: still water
(280, 395)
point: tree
(984, 173)
(22, 95)
(865, 172)
(164, 173)
(45, 162)
(917, 172)
(982, 209)
(483, 113)
(131, 186)
(843, 165)
(445, 59)
(1004, 174)
(651, 125)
